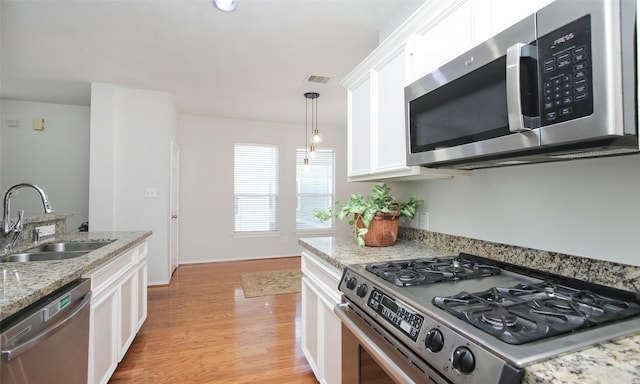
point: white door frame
(174, 199)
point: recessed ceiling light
(224, 5)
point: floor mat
(256, 284)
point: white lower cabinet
(118, 309)
(321, 328)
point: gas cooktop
(471, 315)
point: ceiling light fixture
(224, 5)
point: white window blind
(255, 187)
(315, 187)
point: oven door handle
(396, 372)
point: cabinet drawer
(101, 278)
(324, 275)
(143, 251)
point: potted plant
(375, 218)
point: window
(255, 187)
(315, 187)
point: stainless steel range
(468, 319)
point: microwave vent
(580, 155)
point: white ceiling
(249, 64)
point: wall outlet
(46, 230)
(38, 124)
(150, 192)
(423, 220)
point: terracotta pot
(383, 229)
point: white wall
(206, 186)
(586, 208)
(131, 133)
(56, 159)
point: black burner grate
(529, 312)
(429, 271)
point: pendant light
(310, 152)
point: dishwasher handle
(7, 355)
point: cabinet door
(310, 325)
(330, 333)
(128, 312)
(142, 295)
(440, 42)
(505, 13)
(359, 137)
(103, 344)
(389, 124)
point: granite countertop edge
(24, 283)
(613, 361)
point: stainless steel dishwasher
(48, 342)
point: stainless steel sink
(57, 251)
(71, 246)
(42, 256)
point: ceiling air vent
(318, 79)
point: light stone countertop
(37, 279)
(616, 361)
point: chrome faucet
(10, 232)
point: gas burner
(560, 305)
(499, 317)
(407, 275)
(429, 271)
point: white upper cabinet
(436, 33)
(388, 127)
(445, 38)
(359, 135)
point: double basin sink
(57, 251)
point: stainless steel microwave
(560, 84)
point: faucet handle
(17, 227)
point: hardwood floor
(201, 329)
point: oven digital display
(396, 313)
(387, 302)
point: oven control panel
(402, 317)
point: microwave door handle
(514, 102)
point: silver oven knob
(351, 282)
(362, 290)
(463, 360)
(434, 341)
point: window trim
(332, 229)
(265, 233)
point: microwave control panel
(564, 59)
